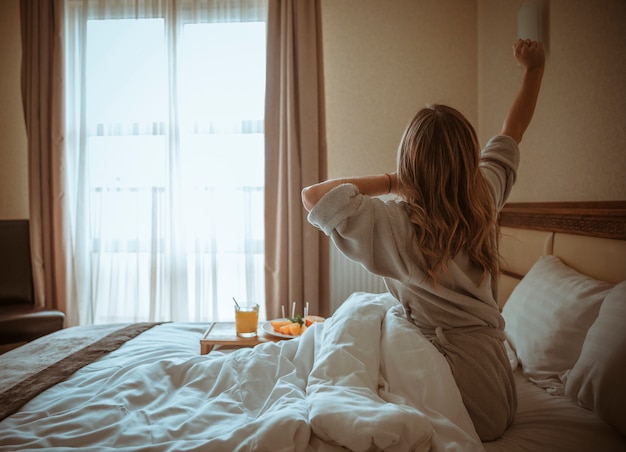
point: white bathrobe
(459, 317)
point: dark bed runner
(14, 397)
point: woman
(436, 245)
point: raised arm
(380, 184)
(529, 54)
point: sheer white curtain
(165, 149)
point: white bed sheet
(344, 382)
(339, 385)
(547, 423)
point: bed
(371, 384)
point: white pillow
(547, 317)
(597, 381)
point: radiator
(347, 277)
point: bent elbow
(308, 200)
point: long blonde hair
(446, 194)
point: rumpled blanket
(364, 380)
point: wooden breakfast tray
(223, 334)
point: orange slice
(311, 319)
(294, 329)
(285, 329)
(278, 323)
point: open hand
(529, 53)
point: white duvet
(364, 380)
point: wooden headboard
(597, 219)
(587, 236)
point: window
(165, 157)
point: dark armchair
(20, 320)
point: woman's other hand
(529, 53)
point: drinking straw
(282, 307)
(238, 307)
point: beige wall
(575, 148)
(384, 59)
(13, 155)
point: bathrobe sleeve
(498, 162)
(366, 230)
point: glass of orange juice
(246, 319)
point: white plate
(267, 327)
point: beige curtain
(296, 254)
(42, 96)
